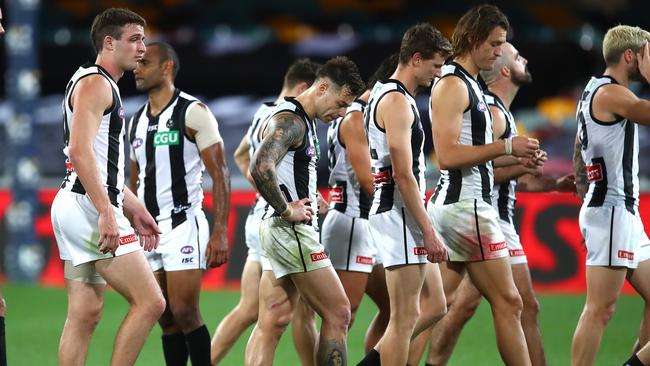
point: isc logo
(166, 138)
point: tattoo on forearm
(579, 170)
(285, 131)
(332, 352)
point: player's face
(485, 55)
(130, 47)
(429, 70)
(518, 66)
(334, 101)
(148, 73)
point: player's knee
(3, 306)
(600, 313)
(531, 306)
(155, 306)
(87, 316)
(406, 317)
(186, 315)
(339, 315)
(511, 303)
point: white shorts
(181, 248)
(74, 220)
(252, 230)
(348, 242)
(292, 248)
(614, 237)
(515, 249)
(397, 237)
(470, 229)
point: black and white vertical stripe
(108, 145)
(474, 182)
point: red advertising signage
(547, 222)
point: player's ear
(301, 87)
(505, 71)
(416, 58)
(322, 87)
(108, 43)
(629, 56)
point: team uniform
(170, 174)
(399, 239)
(609, 216)
(346, 231)
(74, 217)
(461, 207)
(294, 247)
(252, 227)
(504, 194)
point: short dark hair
(385, 69)
(301, 71)
(423, 38)
(167, 53)
(110, 22)
(344, 73)
(474, 27)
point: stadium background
(233, 56)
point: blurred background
(233, 56)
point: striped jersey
(170, 170)
(504, 195)
(387, 195)
(610, 151)
(296, 171)
(472, 182)
(346, 195)
(254, 140)
(109, 141)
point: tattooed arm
(284, 131)
(579, 170)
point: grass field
(35, 318)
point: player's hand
(524, 147)
(643, 58)
(299, 211)
(109, 232)
(566, 183)
(147, 229)
(436, 250)
(216, 253)
(323, 206)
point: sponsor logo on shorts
(517, 253)
(594, 173)
(420, 251)
(382, 178)
(315, 257)
(128, 239)
(188, 249)
(336, 194)
(364, 260)
(626, 255)
(481, 107)
(498, 246)
(187, 260)
(137, 143)
(166, 138)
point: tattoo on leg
(332, 352)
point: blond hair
(621, 38)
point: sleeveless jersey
(254, 140)
(345, 191)
(108, 145)
(610, 151)
(296, 171)
(504, 194)
(387, 194)
(472, 182)
(169, 163)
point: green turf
(36, 315)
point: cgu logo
(166, 138)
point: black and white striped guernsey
(610, 151)
(474, 182)
(169, 162)
(255, 139)
(387, 195)
(296, 172)
(108, 145)
(345, 191)
(504, 195)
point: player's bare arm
(91, 97)
(243, 159)
(353, 135)
(395, 113)
(284, 131)
(141, 220)
(498, 128)
(544, 183)
(449, 99)
(579, 171)
(613, 101)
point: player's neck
(505, 90)
(114, 71)
(307, 101)
(406, 76)
(283, 94)
(619, 73)
(159, 97)
(468, 64)
(365, 96)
